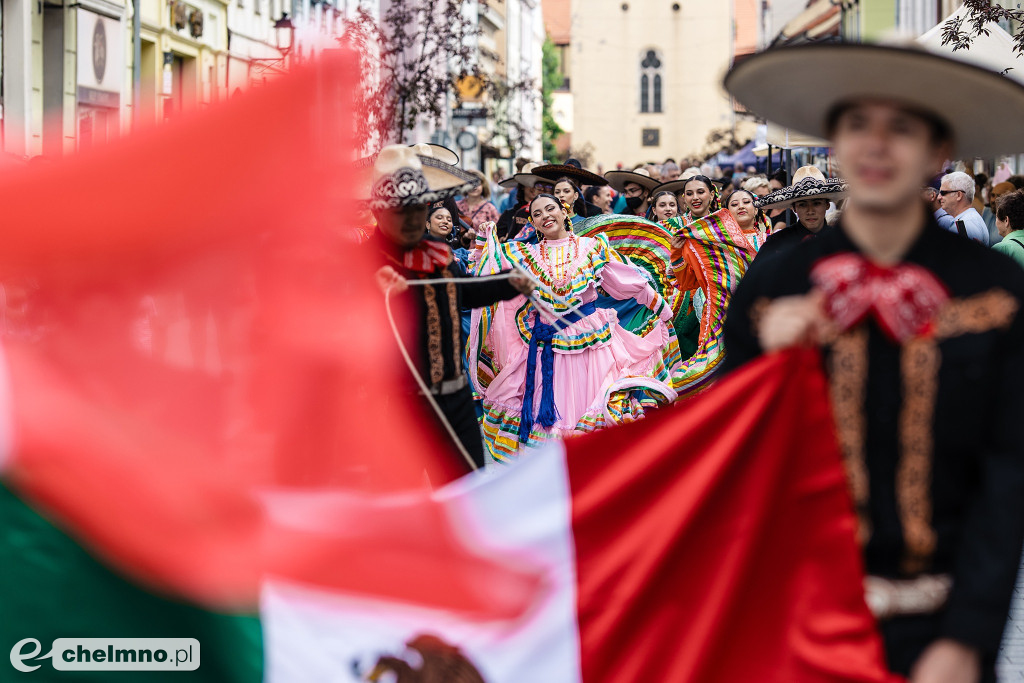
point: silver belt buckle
(888, 598)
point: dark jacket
(794, 234)
(434, 322)
(932, 423)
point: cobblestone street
(1011, 658)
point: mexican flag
(711, 542)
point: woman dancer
(664, 206)
(539, 380)
(566, 191)
(711, 255)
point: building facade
(646, 78)
(72, 78)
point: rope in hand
(424, 389)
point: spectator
(757, 185)
(1017, 181)
(980, 181)
(738, 174)
(670, 171)
(930, 194)
(989, 214)
(955, 196)
(1010, 222)
(475, 206)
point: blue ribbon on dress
(543, 333)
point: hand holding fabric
(794, 321)
(947, 661)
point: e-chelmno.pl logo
(109, 654)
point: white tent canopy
(994, 51)
(785, 138)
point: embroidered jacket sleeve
(623, 280)
(988, 555)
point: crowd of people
(588, 300)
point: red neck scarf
(903, 299)
(427, 256)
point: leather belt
(449, 386)
(889, 598)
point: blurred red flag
(185, 324)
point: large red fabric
(185, 325)
(715, 540)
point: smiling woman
(540, 379)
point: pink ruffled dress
(596, 372)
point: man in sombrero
(922, 335)
(809, 197)
(404, 184)
(636, 187)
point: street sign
(470, 115)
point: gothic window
(650, 83)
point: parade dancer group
(921, 329)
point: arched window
(650, 83)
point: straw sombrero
(570, 170)
(808, 183)
(439, 152)
(403, 178)
(769, 84)
(618, 179)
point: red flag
(711, 542)
(185, 325)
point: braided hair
(716, 201)
(565, 207)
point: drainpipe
(136, 62)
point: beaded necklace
(560, 285)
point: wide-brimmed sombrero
(403, 178)
(439, 152)
(770, 84)
(570, 170)
(619, 179)
(673, 186)
(808, 183)
(526, 177)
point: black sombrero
(578, 175)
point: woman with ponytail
(541, 378)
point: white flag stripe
(523, 512)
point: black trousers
(458, 409)
(907, 637)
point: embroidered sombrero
(619, 179)
(808, 183)
(403, 178)
(770, 84)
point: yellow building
(646, 77)
(184, 56)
